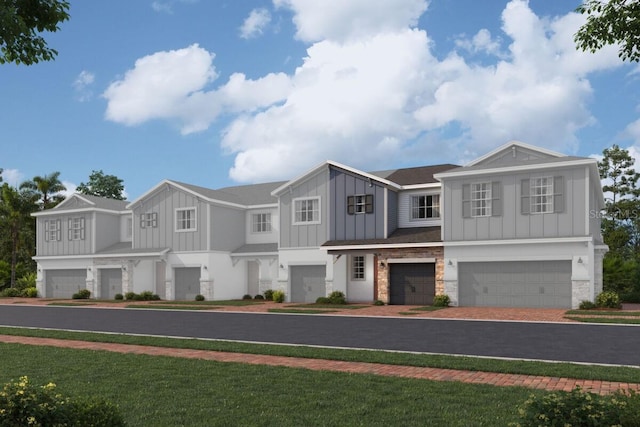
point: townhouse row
(518, 227)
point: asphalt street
(589, 343)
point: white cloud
(255, 23)
(162, 7)
(70, 188)
(82, 85)
(13, 177)
(481, 42)
(341, 20)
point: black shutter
(466, 201)
(142, 221)
(351, 205)
(368, 203)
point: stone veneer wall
(382, 272)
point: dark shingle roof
(399, 236)
(416, 175)
(253, 194)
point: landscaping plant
(608, 299)
(441, 300)
(278, 296)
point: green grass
(427, 308)
(165, 391)
(617, 320)
(334, 306)
(71, 304)
(236, 303)
(568, 370)
(604, 313)
(299, 311)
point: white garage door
(515, 284)
(110, 282)
(308, 283)
(187, 281)
(64, 283)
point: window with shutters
(359, 204)
(76, 228)
(149, 220)
(52, 230)
(541, 195)
(481, 199)
(425, 206)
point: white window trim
(194, 220)
(359, 208)
(76, 228)
(54, 230)
(253, 223)
(293, 211)
(431, 218)
(487, 199)
(353, 270)
(532, 196)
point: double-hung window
(52, 230)
(186, 219)
(481, 199)
(425, 206)
(306, 211)
(76, 228)
(261, 223)
(541, 191)
(358, 267)
(149, 220)
(359, 204)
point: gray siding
(345, 226)
(392, 212)
(302, 235)
(64, 245)
(227, 228)
(164, 203)
(512, 223)
(107, 230)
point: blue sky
(219, 93)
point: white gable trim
(52, 212)
(74, 196)
(515, 144)
(169, 183)
(518, 168)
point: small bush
(268, 294)
(148, 296)
(31, 292)
(199, 297)
(337, 297)
(278, 296)
(247, 296)
(82, 294)
(378, 302)
(323, 300)
(632, 297)
(11, 292)
(259, 296)
(608, 299)
(129, 296)
(119, 297)
(579, 408)
(587, 305)
(26, 281)
(22, 403)
(441, 300)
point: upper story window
(425, 206)
(149, 220)
(186, 219)
(76, 228)
(52, 230)
(544, 194)
(358, 267)
(261, 223)
(481, 199)
(306, 211)
(359, 204)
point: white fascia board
(519, 168)
(265, 206)
(585, 239)
(149, 192)
(89, 256)
(365, 174)
(299, 178)
(73, 196)
(383, 246)
(52, 212)
(432, 185)
(255, 255)
(517, 144)
(187, 190)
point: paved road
(612, 344)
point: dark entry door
(412, 284)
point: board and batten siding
(404, 209)
(305, 235)
(511, 223)
(392, 212)
(164, 203)
(63, 245)
(355, 226)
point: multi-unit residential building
(517, 227)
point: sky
(218, 93)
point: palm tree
(15, 220)
(48, 186)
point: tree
(109, 186)
(49, 187)
(16, 222)
(22, 21)
(611, 22)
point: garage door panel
(110, 282)
(515, 284)
(187, 283)
(412, 283)
(308, 283)
(64, 283)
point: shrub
(608, 299)
(30, 292)
(247, 296)
(587, 305)
(129, 296)
(579, 408)
(119, 297)
(633, 297)
(82, 294)
(268, 294)
(323, 300)
(22, 403)
(199, 297)
(259, 296)
(337, 297)
(10, 292)
(442, 300)
(148, 296)
(26, 281)
(378, 302)
(278, 296)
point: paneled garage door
(515, 284)
(187, 280)
(308, 283)
(412, 284)
(110, 282)
(64, 283)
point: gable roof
(514, 145)
(418, 175)
(87, 203)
